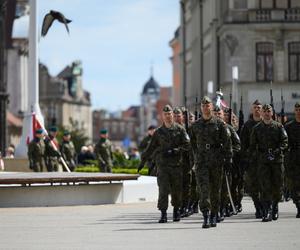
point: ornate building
(63, 100)
(259, 37)
(148, 111)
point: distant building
(260, 37)
(122, 129)
(63, 100)
(175, 60)
(148, 111)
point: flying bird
(50, 17)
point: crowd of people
(207, 163)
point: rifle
(272, 102)
(230, 110)
(196, 112)
(186, 117)
(282, 109)
(241, 116)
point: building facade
(63, 101)
(259, 37)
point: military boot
(298, 210)
(163, 218)
(213, 220)
(267, 214)
(205, 220)
(221, 215)
(275, 213)
(176, 214)
(258, 210)
(196, 207)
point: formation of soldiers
(45, 152)
(208, 163)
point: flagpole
(33, 81)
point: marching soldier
(186, 168)
(36, 152)
(211, 144)
(249, 161)
(104, 152)
(143, 145)
(68, 150)
(293, 157)
(52, 155)
(169, 141)
(269, 140)
(236, 147)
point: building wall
(230, 31)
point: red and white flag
(35, 125)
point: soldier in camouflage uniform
(68, 150)
(36, 152)
(248, 161)
(268, 141)
(211, 144)
(52, 155)
(169, 141)
(236, 147)
(186, 168)
(293, 157)
(143, 145)
(104, 152)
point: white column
(234, 90)
(33, 80)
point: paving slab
(134, 226)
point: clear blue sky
(116, 40)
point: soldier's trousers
(294, 181)
(237, 184)
(186, 186)
(270, 179)
(224, 191)
(169, 180)
(252, 183)
(194, 188)
(209, 179)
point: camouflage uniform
(293, 160)
(268, 142)
(236, 147)
(151, 161)
(168, 144)
(36, 153)
(103, 152)
(249, 163)
(211, 144)
(52, 155)
(68, 153)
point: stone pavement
(134, 226)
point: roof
(151, 84)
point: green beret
(103, 131)
(53, 129)
(167, 108)
(177, 111)
(39, 131)
(267, 107)
(256, 102)
(297, 105)
(217, 108)
(206, 100)
(66, 132)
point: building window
(264, 61)
(294, 61)
(240, 4)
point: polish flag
(35, 125)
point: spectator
(82, 155)
(1, 162)
(10, 152)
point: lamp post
(33, 81)
(234, 89)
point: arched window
(294, 61)
(264, 61)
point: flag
(220, 102)
(35, 125)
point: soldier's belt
(210, 146)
